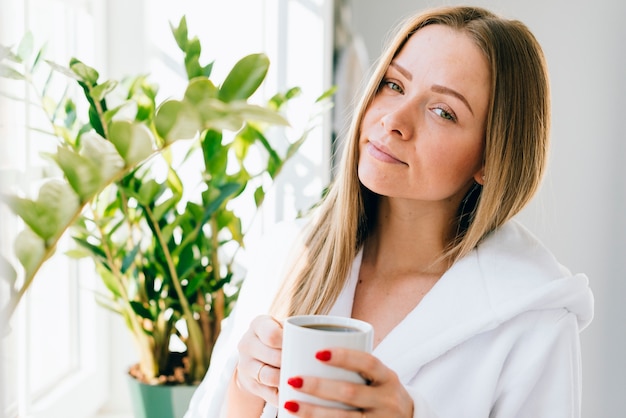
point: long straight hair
(515, 154)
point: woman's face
(422, 136)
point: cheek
(457, 164)
(366, 172)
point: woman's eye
(444, 114)
(393, 86)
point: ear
(479, 177)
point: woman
(472, 316)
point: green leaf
(259, 196)
(233, 223)
(77, 253)
(245, 77)
(180, 33)
(84, 72)
(280, 99)
(187, 262)
(37, 59)
(177, 120)
(93, 251)
(148, 192)
(218, 115)
(194, 284)
(242, 143)
(293, 93)
(25, 48)
(129, 258)
(94, 117)
(192, 58)
(106, 302)
(215, 155)
(110, 281)
(102, 155)
(101, 90)
(327, 94)
(63, 70)
(8, 72)
(200, 89)
(70, 114)
(214, 204)
(256, 113)
(7, 272)
(141, 310)
(174, 183)
(207, 69)
(295, 146)
(162, 209)
(30, 249)
(7, 53)
(275, 162)
(133, 141)
(53, 210)
(82, 174)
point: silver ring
(258, 373)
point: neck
(409, 238)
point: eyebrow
(437, 88)
(447, 90)
(402, 70)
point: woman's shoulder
(520, 273)
(514, 247)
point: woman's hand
(258, 369)
(383, 397)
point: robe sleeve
(421, 408)
(543, 375)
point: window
(60, 359)
(51, 355)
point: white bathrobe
(497, 336)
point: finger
(262, 342)
(373, 371)
(253, 372)
(269, 330)
(354, 395)
(268, 393)
(268, 375)
(303, 409)
(384, 392)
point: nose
(400, 121)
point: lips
(381, 153)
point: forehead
(449, 55)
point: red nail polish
(323, 355)
(292, 406)
(295, 382)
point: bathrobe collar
(511, 272)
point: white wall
(580, 211)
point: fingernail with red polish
(323, 355)
(295, 382)
(292, 406)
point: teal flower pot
(159, 401)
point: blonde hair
(516, 144)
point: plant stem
(194, 343)
(218, 305)
(148, 363)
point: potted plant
(163, 246)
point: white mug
(303, 337)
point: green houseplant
(163, 247)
